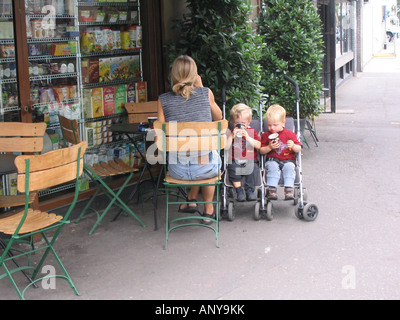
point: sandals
(289, 193)
(272, 193)
(209, 216)
(194, 209)
(189, 209)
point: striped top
(195, 109)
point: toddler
(244, 156)
(280, 153)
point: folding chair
(141, 111)
(98, 172)
(190, 137)
(37, 172)
(22, 137)
(18, 137)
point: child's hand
(274, 144)
(245, 134)
(290, 144)
(237, 132)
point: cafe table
(131, 130)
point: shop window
(349, 67)
(344, 30)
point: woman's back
(196, 108)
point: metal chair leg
(10, 254)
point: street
(351, 251)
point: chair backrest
(21, 136)
(191, 136)
(139, 112)
(50, 169)
(69, 129)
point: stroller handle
(225, 86)
(296, 85)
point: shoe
(208, 215)
(189, 209)
(240, 196)
(272, 193)
(289, 193)
(250, 196)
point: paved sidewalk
(352, 250)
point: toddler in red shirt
(280, 151)
(244, 141)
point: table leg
(146, 166)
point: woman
(189, 101)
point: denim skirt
(184, 168)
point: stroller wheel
(231, 213)
(297, 212)
(269, 215)
(224, 213)
(310, 212)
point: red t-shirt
(283, 152)
(240, 147)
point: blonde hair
(239, 110)
(183, 75)
(276, 111)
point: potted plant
(219, 36)
(291, 31)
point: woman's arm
(216, 112)
(160, 111)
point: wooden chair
(140, 112)
(190, 136)
(98, 172)
(21, 137)
(18, 137)
(37, 172)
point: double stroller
(264, 207)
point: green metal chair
(97, 173)
(36, 172)
(18, 138)
(190, 137)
